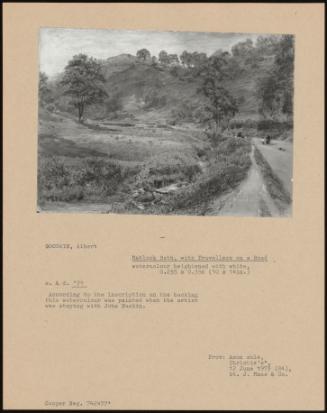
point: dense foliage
(83, 82)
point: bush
(270, 124)
(51, 107)
(243, 124)
(114, 104)
(177, 71)
(199, 114)
(186, 112)
(61, 179)
(275, 128)
(232, 162)
(165, 169)
(153, 100)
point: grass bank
(229, 165)
(273, 184)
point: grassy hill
(145, 88)
(172, 94)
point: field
(138, 166)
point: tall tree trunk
(217, 125)
(80, 111)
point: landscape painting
(165, 123)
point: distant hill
(134, 82)
(117, 63)
(145, 90)
(143, 86)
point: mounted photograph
(165, 123)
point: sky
(57, 46)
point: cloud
(58, 45)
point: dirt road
(279, 155)
(251, 198)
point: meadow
(136, 166)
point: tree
(44, 90)
(219, 52)
(221, 107)
(267, 88)
(173, 59)
(266, 45)
(243, 49)
(154, 61)
(284, 60)
(84, 82)
(185, 58)
(143, 54)
(217, 67)
(284, 69)
(275, 88)
(163, 57)
(287, 107)
(198, 59)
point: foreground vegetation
(71, 173)
(229, 165)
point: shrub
(61, 179)
(153, 100)
(243, 124)
(165, 169)
(51, 107)
(114, 104)
(271, 124)
(232, 162)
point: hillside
(117, 63)
(172, 94)
(142, 87)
